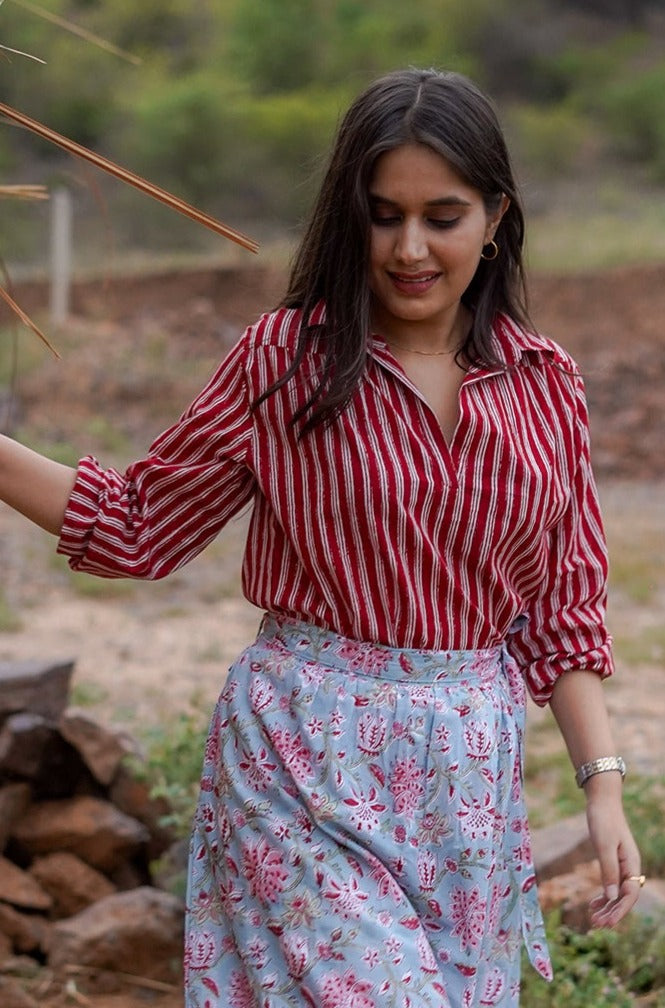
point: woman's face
(427, 233)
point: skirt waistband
(311, 643)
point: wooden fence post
(61, 254)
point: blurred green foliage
(235, 101)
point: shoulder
(279, 329)
(518, 346)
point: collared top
(375, 526)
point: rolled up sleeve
(168, 506)
(565, 626)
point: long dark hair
(449, 114)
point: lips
(413, 283)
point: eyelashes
(434, 222)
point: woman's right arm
(34, 485)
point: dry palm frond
(130, 177)
(75, 29)
(28, 192)
(18, 52)
(27, 320)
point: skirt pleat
(361, 839)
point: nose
(411, 245)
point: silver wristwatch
(600, 765)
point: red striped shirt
(375, 527)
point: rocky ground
(134, 354)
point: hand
(618, 856)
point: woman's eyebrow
(443, 201)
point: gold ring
(637, 878)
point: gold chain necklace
(421, 353)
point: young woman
(425, 540)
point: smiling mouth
(413, 277)
(413, 283)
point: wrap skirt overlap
(361, 839)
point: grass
(601, 969)
(645, 645)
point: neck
(430, 339)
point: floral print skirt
(361, 839)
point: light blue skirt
(361, 839)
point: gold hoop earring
(495, 251)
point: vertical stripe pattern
(374, 527)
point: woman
(425, 540)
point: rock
(100, 749)
(90, 828)
(13, 996)
(32, 748)
(71, 883)
(25, 933)
(132, 796)
(14, 799)
(138, 932)
(38, 687)
(20, 889)
(558, 848)
(572, 892)
(6, 950)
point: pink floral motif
(295, 754)
(346, 899)
(371, 733)
(442, 738)
(240, 991)
(296, 954)
(212, 747)
(426, 955)
(427, 869)
(199, 950)
(406, 786)
(258, 769)
(467, 912)
(264, 868)
(365, 810)
(386, 884)
(256, 950)
(261, 694)
(477, 817)
(495, 985)
(420, 696)
(361, 658)
(478, 740)
(346, 991)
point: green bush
(548, 139)
(634, 113)
(174, 757)
(602, 969)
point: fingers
(610, 907)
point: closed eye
(443, 224)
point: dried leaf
(29, 192)
(127, 176)
(75, 29)
(27, 320)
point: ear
(495, 219)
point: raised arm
(34, 485)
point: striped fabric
(375, 527)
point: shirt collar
(513, 344)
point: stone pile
(78, 835)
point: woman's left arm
(578, 704)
